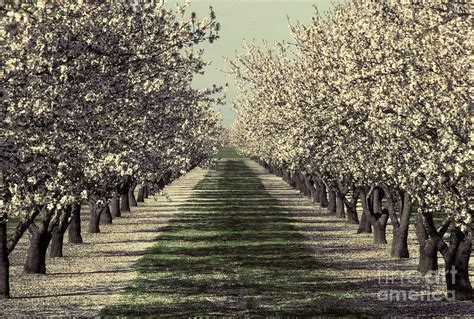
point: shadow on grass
(224, 257)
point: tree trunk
(4, 262)
(308, 186)
(457, 266)
(323, 198)
(36, 257)
(314, 194)
(316, 190)
(377, 201)
(340, 213)
(428, 260)
(131, 196)
(94, 219)
(115, 207)
(365, 227)
(379, 234)
(302, 183)
(141, 195)
(352, 208)
(377, 220)
(146, 191)
(400, 243)
(400, 230)
(74, 233)
(292, 181)
(57, 236)
(124, 201)
(332, 201)
(105, 215)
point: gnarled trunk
(124, 190)
(4, 262)
(379, 233)
(74, 233)
(314, 194)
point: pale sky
(247, 20)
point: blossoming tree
(97, 97)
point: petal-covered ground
(234, 240)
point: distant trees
(97, 100)
(372, 104)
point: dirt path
(93, 274)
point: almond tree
(373, 101)
(95, 94)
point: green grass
(227, 153)
(224, 256)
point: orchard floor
(236, 241)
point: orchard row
(97, 101)
(370, 104)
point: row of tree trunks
(51, 231)
(374, 219)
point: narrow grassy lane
(231, 250)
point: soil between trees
(234, 240)
(232, 250)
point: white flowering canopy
(375, 93)
(95, 92)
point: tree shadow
(224, 257)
